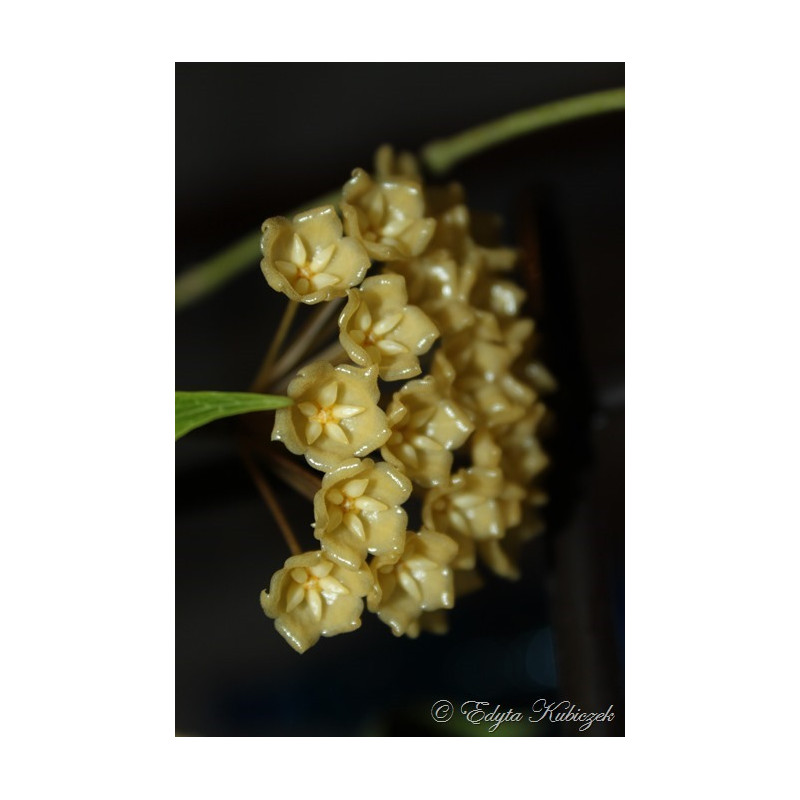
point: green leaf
(193, 409)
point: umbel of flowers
(440, 312)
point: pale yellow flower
(359, 510)
(335, 415)
(389, 164)
(466, 556)
(498, 259)
(517, 333)
(386, 216)
(308, 259)
(426, 425)
(377, 326)
(452, 227)
(502, 297)
(479, 267)
(522, 452)
(312, 597)
(478, 504)
(484, 384)
(444, 277)
(441, 287)
(447, 205)
(538, 376)
(502, 555)
(520, 337)
(484, 449)
(464, 582)
(455, 230)
(420, 580)
(491, 291)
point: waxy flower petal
(386, 216)
(426, 426)
(312, 597)
(335, 415)
(389, 165)
(420, 580)
(359, 510)
(441, 287)
(308, 259)
(452, 224)
(501, 297)
(522, 452)
(377, 326)
(502, 555)
(477, 503)
(484, 384)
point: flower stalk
(306, 338)
(301, 479)
(262, 379)
(265, 490)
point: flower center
(307, 274)
(369, 332)
(323, 413)
(304, 271)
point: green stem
(438, 156)
(202, 279)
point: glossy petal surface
(420, 580)
(378, 326)
(335, 416)
(359, 511)
(312, 597)
(386, 216)
(308, 259)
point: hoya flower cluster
(439, 313)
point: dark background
(254, 140)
